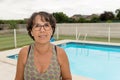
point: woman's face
(41, 30)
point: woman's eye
(37, 25)
(46, 25)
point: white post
(57, 33)
(76, 33)
(78, 36)
(109, 34)
(15, 41)
(85, 36)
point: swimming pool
(100, 62)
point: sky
(20, 9)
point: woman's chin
(43, 41)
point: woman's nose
(42, 29)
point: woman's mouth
(42, 36)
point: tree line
(106, 16)
(12, 23)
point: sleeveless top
(53, 72)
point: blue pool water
(13, 56)
(100, 62)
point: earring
(31, 34)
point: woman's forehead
(39, 18)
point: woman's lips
(43, 36)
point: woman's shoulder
(23, 54)
(60, 50)
(24, 50)
(61, 54)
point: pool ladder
(85, 36)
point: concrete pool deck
(8, 66)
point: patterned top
(52, 73)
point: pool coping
(4, 54)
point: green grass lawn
(7, 40)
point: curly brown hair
(44, 17)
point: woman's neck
(42, 48)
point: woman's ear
(31, 33)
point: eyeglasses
(38, 27)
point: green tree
(60, 17)
(12, 23)
(2, 22)
(118, 13)
(82, 20)
(95, 19)
(107, 16)
(71, 20)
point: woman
(42, 60)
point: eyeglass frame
(40, 26)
